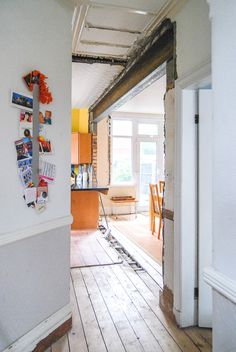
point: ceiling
(149, 101)
(111, 29)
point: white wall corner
(30, 340)
(221, 283)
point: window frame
(135, 119)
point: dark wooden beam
(87, 59)
(54, 336)
(161, 51)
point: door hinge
(196, 292)
(196, 119)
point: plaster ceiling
(149, 101)
(107, 29)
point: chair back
(161, 186)
(155, 198)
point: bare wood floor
(115, 307)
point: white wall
(193, 36)
(224, 173)
(34, 35)
(193, 48)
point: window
(134, 145)
(148, 129)
(122, 152)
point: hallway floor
(116, 309)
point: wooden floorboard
(158, 330)
(89, 248)
(76, 336)
(111, 336)
(153, 268)
(116, 309)
(141, 329)
(92, 329)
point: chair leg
(153, 225)
(159, 228)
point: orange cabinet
(81, 148)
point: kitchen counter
(85, 206)
(97, 188)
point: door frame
(185, 195)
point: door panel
(205, 205)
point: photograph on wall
(45, 146)
(26, 176)
(26, 116)
(42, 194)
(22, 101)
(24, 163)
(30, 195)
(48, 117)
(23, 148)
(26, 130)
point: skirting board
(221, 283)
(28, 342)
(14, 236)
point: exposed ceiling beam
(99, 60)
(123, 9)
(122, 30)
(113, 45)
(79, 22)
(159, 52)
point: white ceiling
(89, 81)
(107, 28)
(149, 101)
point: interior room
(85, 165)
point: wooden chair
(155, 209)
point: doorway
(144, 119)
(190, 248)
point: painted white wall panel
(34, 274)
(193, 36)
(34, 35)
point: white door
(205, 206)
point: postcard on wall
(47, 171)
(48, 117)
(30, 195)
(26, 116)
(23, 148)
(26, 130)
(26, 176)
(22, 101)
(24, 163)
(42, 194)
(45, 146)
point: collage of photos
(35, 196)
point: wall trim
(30, 340)
(221, 283)
(24, 233)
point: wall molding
(13, 236)
(221, 283)
(29, 341)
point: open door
(205, 206)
